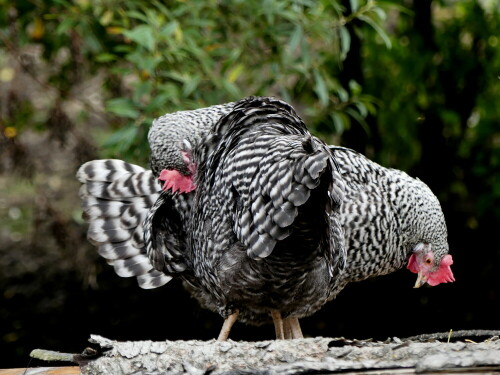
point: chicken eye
(428, 261)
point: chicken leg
(292, 328)
(278, 324)
(226, 327)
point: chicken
(264, 237)
(388, 218)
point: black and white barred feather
(116, 197)
(265, 231)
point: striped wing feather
(283, 180)
(116, 197)
(272, 164)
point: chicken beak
(421, 280)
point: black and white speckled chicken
(264, 235)
(388, 217)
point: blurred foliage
(167, 56)
(413, 84)
(440, 87)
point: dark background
(72, 89)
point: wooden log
(287, 357)
(73, 370)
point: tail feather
(125, 185)
(116, 198)
(134, 266)
(153, 279)
(105, 170)
(117, 250)
(132, 217)
(104, 230)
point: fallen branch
(283, 357)
(82, 359)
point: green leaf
(144, 61)
(230, 57)
(122, 139)
(123, 48)
(361, 109)
(137, 15)
(355, 87)
(169, 29)
(296, 38)
(149, 63)
(106, 18)
(142, 89)
(401, 8)
(105, 57)
(231, 89)
(355, 115)
(339, 90)
(340, 122)
(142, 35)
(370, 107)
(380, 13)
(320, 88)
(65, 25)
(122, 107)
(345, 42)
(378, 29)
(235, 72)
(158, 103)
(162, 8)
(354, 5)
(191, 84)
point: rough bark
(286, 357)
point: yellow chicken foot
(226, 327)
(292, 328)
(278, 324)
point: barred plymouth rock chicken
(265, 236)
(221, 240)
(390, 218)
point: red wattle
(443, 274)
(412, 264)
(175, 181)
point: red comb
(443, 274)
(175, 181)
